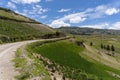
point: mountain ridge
(2, 16)
(88, 31)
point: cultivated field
(68, 60)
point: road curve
(7, 54)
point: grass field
(11, 31)
(104, 39)
(10, 28)
(67, 54)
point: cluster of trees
(5, 39)
(108, 48)
(57, 34)
(80, 43)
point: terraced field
(75, 62)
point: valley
(31, 50)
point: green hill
(88, 31)
(11, 15)
(71, 61)
(16, 27)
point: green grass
(105, 40)
(18, 59)
(15, 27)
(66, 54)
(11, 15)
(15, 31)
(29, 68)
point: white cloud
(112, 11)
(43, 17)
(26, 1)
(64, 10)
(38, 9)
(35, 10)
(58, 23)
(97, 26)
(97, 12)
(115, 26)
(101, 8)
(11, 5)
(74, 18)
(101, 11)
(77, 20)
(90, 13)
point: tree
(57, 33)
(91, 44)
(112, 48)
(80, 43)
(108, 47)
(102, 46)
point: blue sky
(103, 14)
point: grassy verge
(29, 67)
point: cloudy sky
(103, 14)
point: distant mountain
(16, 27)
(88, 31)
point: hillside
(88, 31)
(16, 27)
(8, 14)
(66, 60)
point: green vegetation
(11, 31)
(87, 56)
(10, 15)
(29, 67)
(102, 41)
(72, 65)
(15, 27)
(88, 31)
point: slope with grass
(8, 14)
(67, 60)
(15, 27)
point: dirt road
(7, 53)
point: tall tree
(102, 46)
(112, 48)
(91, 44)
(108, 47)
